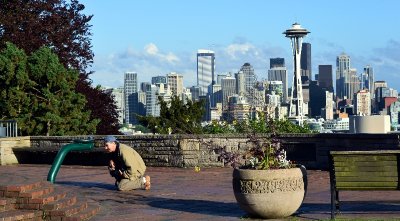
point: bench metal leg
(333, 197)
(335, 206)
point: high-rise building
(352, 84)
(186, 95)
(239, 109)
(325, 77)
(280, 74)
(317, 99)
(369, 80)
(217, 95)
(305, 62)
(130, 87)
(276, 87)
(228, 87)
(175, 83)
(258, 100)
(240, 83)
(195, 91)
(220, 76)
(205, 70)
(140, 104)
(362, 103)
(394, 112)
(159, 80)
(276, 63)
(152, 95)
(342, 74)
(144, 86)
(249, 80)
(327, 112)
(118, 94)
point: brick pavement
(183, 194)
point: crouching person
(126, 166)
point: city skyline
(155, 38)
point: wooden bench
(362, 170)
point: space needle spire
(296, 34)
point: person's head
(110, 143)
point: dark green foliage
(40, 94)
(14, 82)
(218, 127)
(176, 117)
(261, 124)
(102, 107)
(62, 26)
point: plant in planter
(265, 183)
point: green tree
(50, 105)
(176, 117)
(62, 26)
(14, 82)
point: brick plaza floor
(183, 194)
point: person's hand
(111, 166)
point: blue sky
(157, 37)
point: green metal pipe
(78, 145)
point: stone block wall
(310, 150)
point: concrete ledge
(7, 145)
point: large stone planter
(270, 193)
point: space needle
(296, 106)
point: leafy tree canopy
(261, 124)
(176, 117)
(40, 94)
(61, 26)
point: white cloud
(151, 49)
(235, 50)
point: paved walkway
(183, 194)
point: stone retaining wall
(310, 150)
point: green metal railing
(78, 145)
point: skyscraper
(352, 84)
(159, 79)
(118, 94)
(369, 81)
(276, 62)
(249, 80)
(280, 74)
(305, 62)
(130, 87)
(342, 74)
(175, 83)
(240, 83)
(362, 103)
(205, 70)
(325, 77)
(228, 87)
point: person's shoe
(147, 184)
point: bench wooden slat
(368, 188)
(393, 184)
(365, 163)
(366, 168)
(355, 158)
(366, 179)
(366, 175)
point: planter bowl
(270, 193)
